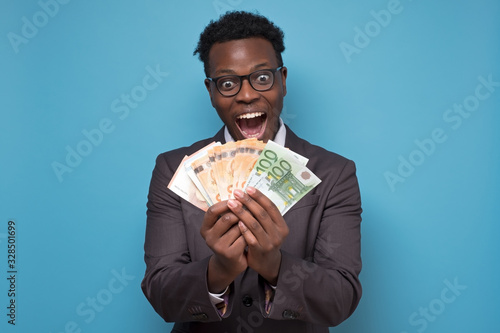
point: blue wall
(410, 90)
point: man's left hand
(264, 230)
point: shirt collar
(279, 138)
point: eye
(228, 83)
(262, 78)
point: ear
(208, 85)
(284, 73)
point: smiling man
(248, 104)
(242, 266)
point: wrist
(272, 271)
(217, 276)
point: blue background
(437, 224)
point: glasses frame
(247, 77)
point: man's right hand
(220, 231)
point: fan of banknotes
(211, 174)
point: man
(242, 266)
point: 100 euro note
(271, 152)
(282, 177)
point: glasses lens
(262, 80)
(228, 85)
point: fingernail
(250, 190)
(238, 193)
(231, 203)
(242, 226)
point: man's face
(250, 113)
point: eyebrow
(231, 72)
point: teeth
(250, 115)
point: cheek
(223, 108)
(276, 106)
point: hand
(223, 236)
(264, 230)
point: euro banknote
(211, 174)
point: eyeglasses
(230, 85)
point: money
(182, 185)
(247, 153)
(271, 153)
(211, 174)
(286, 183)
(185, 184)
(201, 169)
(224, 158)
(282, 176)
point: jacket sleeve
(175, 286)
(325, 289)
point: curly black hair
(239, 25)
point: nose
(247, 94)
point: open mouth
(252, 124)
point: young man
(242, 266)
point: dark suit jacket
(318, 283)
